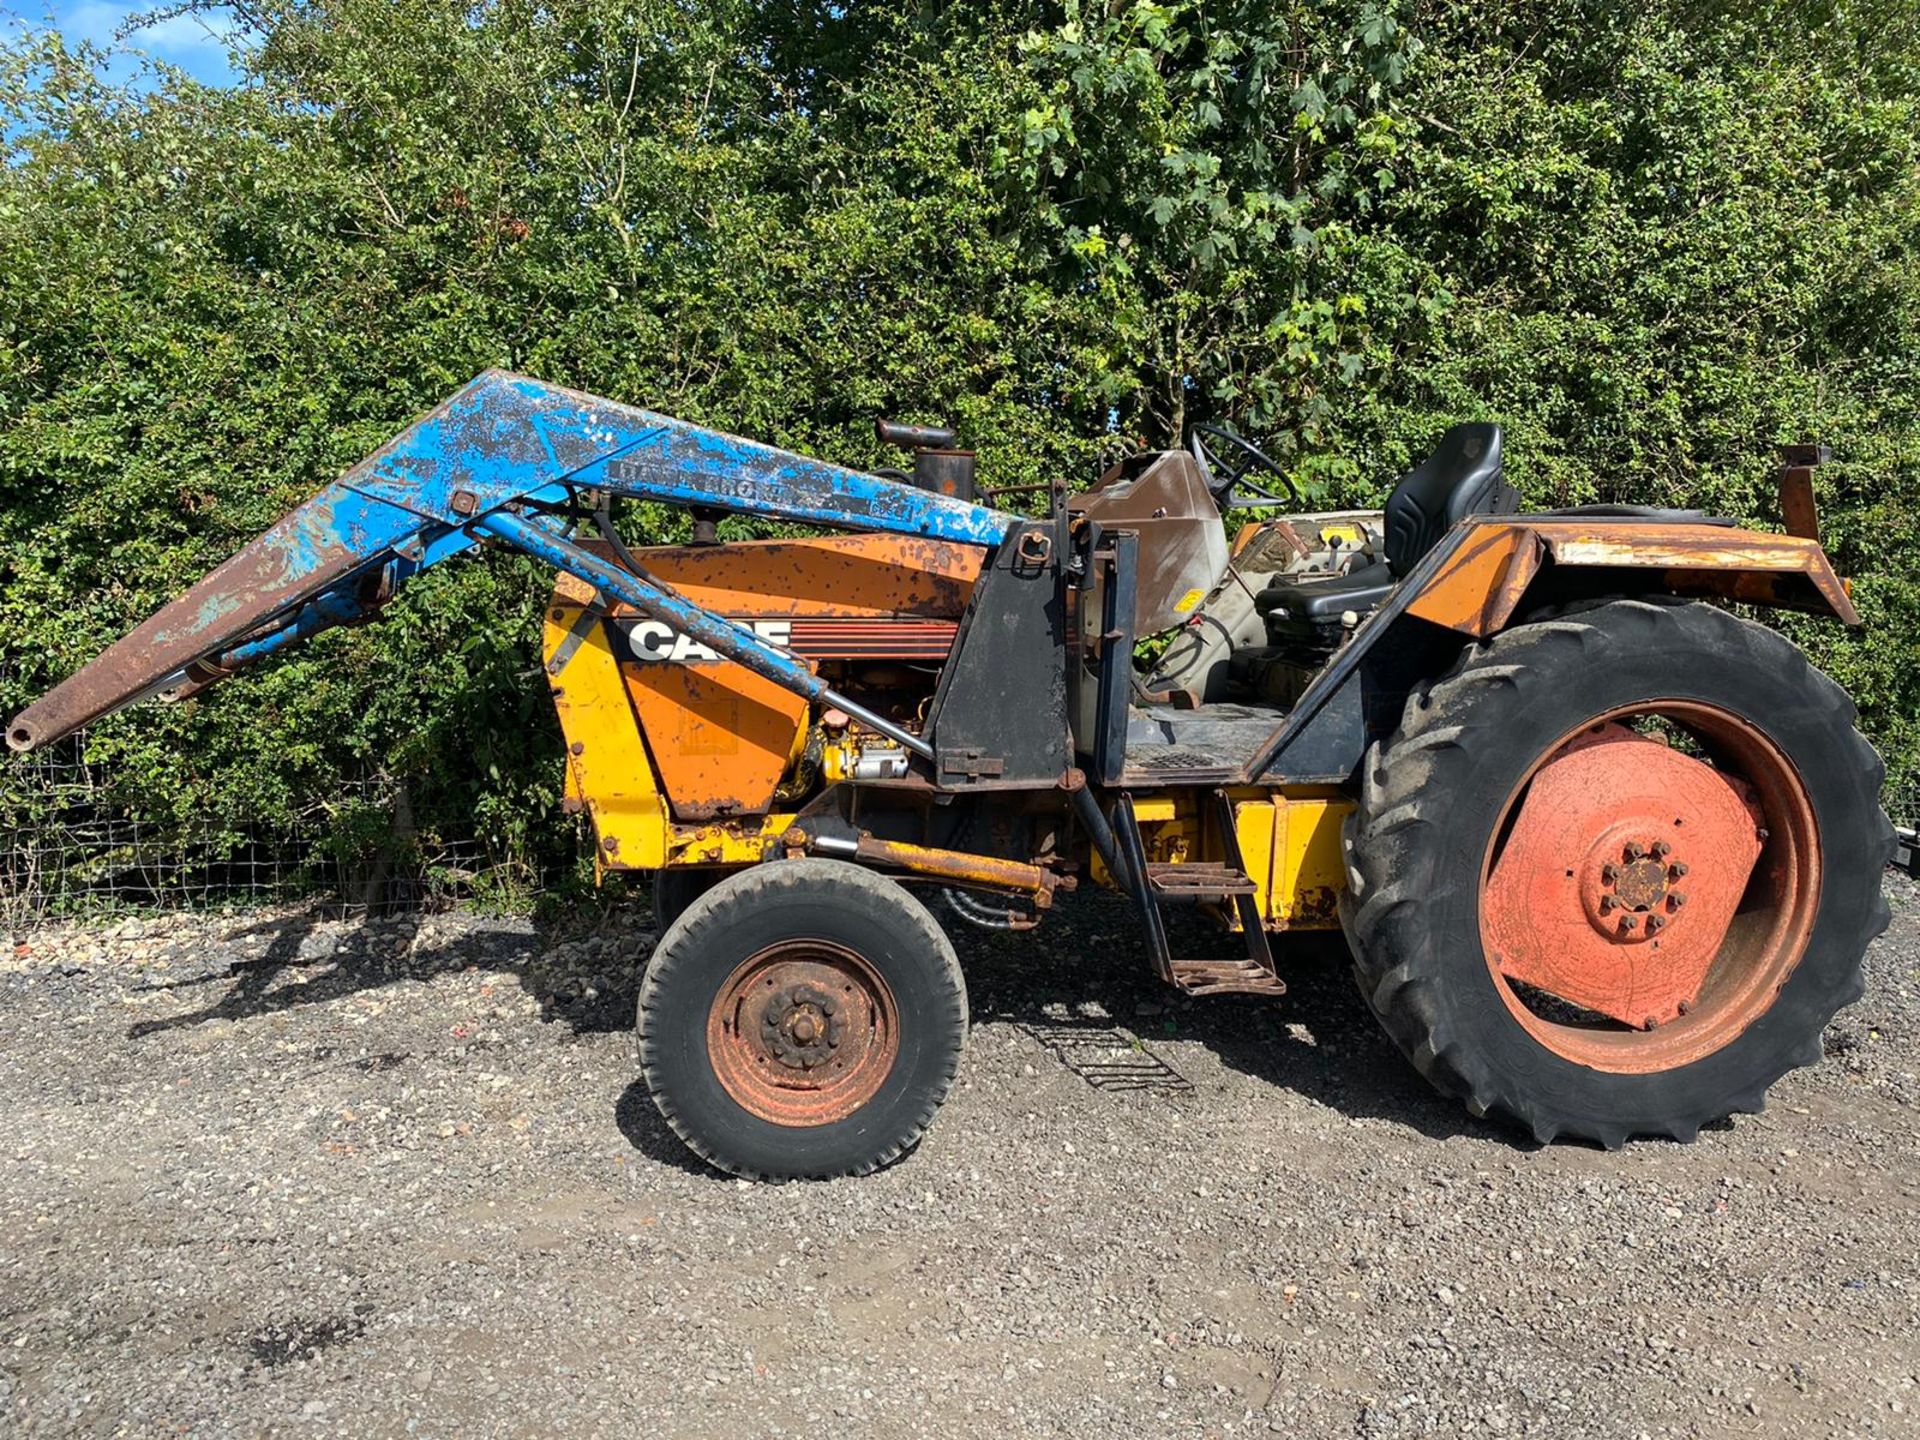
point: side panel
(720, 735)
(1291, 845)
(610, 774)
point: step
(1198, 882)
(1226, 977)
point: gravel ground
(265, 1175)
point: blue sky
(194, 43)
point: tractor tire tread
(1391, 868)
(752, 889)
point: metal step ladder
(1156, 885)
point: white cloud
(197, 42)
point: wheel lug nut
(1628, 924)
(1676, 899)
(1635, 850)
(1676, 870)
(1662, 849)
(1654, 922)
(1609, 872)
(1606, 904)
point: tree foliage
(1651, 241)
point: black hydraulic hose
(603, 522)
(976, 912)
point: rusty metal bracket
(1798, 512)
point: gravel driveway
(263, 1174)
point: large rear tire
(1535, 925)
(802, 1020)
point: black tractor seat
(1319, 598)
(1462, 477)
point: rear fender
(1489, 571)
(1499, 568)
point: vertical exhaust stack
(937, 466)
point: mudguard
(1489, 570)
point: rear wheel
(1616, 872)
(802, 1019)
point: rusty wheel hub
(1633, 896)
(803, 1033)
(1586, 901)
(802, 1026)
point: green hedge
(1651, 241)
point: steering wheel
(1254, 459)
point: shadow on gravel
(1087, 968)
(1074, 984)
(639, 1120)
(591, 994)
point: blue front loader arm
(503, 446)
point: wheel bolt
(1628, 924)
(1676, 870)
(1654, 922)
(1661, 849)
(1606, 904)
(1676, 899)
(1635, 850)
(1609, 873)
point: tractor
(1606, 850)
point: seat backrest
(1461, 477)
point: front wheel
(802, 1019)
(1614, 874)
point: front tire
(803, 1019)
(1518, 870)
(677, 887)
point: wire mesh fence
(74, 842)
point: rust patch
(1315, 907)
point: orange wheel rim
(1650, 887)
(803, 1033)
